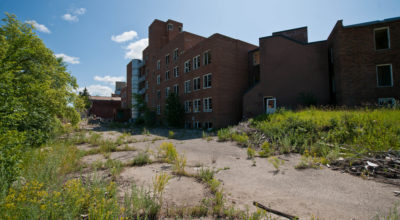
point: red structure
(105, 107)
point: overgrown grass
(141, 159)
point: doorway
(270, 105)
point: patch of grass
(141, 159)
(205, 174)
(159, 183)
(179, 165)
(265, 150)
(357, 132)
(171, 134)
(206, 136)
(250, 153)
(95, 138)
(107, 146)
(225, 134)
(308, 161)
(167, 152)
(276, 162)
(242, 139)
(146, 132)
(140, 204)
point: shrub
(171, 134)
(265, 150)
(174, 110)
(206, 175)
(167, 151)
(250, 153)
(159, 183)
(242, 139)
(179, 165)
(141, 159)
(224, 134)
(276, 162)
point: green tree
(174, 110)
(36, 92)
(85, 97)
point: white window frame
(187, 66)
(187, 86)
(196, 124)
(176, 89)
(388, 36)
(391, 75)
(158, 64)
(206, 104)
(196, 105)
(176, 71)
(167, 74)
(187, 106)
(198, 79)
(167, 89)
(170, 27)
(158, 79)
(205, 84)
(176, 54)
(196, 62)
(204, 58)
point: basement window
(382, 39)
(386, 102)
(384, 75)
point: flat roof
(103, 98)
(372, 22)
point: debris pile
(384, 166)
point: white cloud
(126, 36)
(68, 59)
(39, 27)
(70, 17)
(109, 79)
(74, 15)
(134, 50)
(98, 90)
(80, 11)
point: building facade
(357, 65)
(134, 77)
(209, 74)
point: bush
(141, 159)
(174, 111)
(171, 134)
(250, 153)
(224, 134)
(265, 150)
(242, 139)
(167, 151)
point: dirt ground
(322, 193)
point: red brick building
(209, 74)
(357, 65)
(104, 107)
(364, 62)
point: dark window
(384, 75)
(382, 39)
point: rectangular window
(146, 98)
(176, 89)
(188, 124)
(158, 79)
(389, 102)
(187, 66)
(187, 86)
(206, 58)
(196, 105)
(158, 94)
(167, 75)
(196, 124)
(384, 75)
(170, 27)
(176, 54)
(207, 104)
(167, 92)
(167, 59)
(196, 62)
(158, 110)
(208, 125)
(207, 81)
(188, 106)
(382, 38)
(196, 83)
(158, 64)
(176, 71)
(256, 58)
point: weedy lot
(189, 174)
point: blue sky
(82, 30)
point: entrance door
(270, 105)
